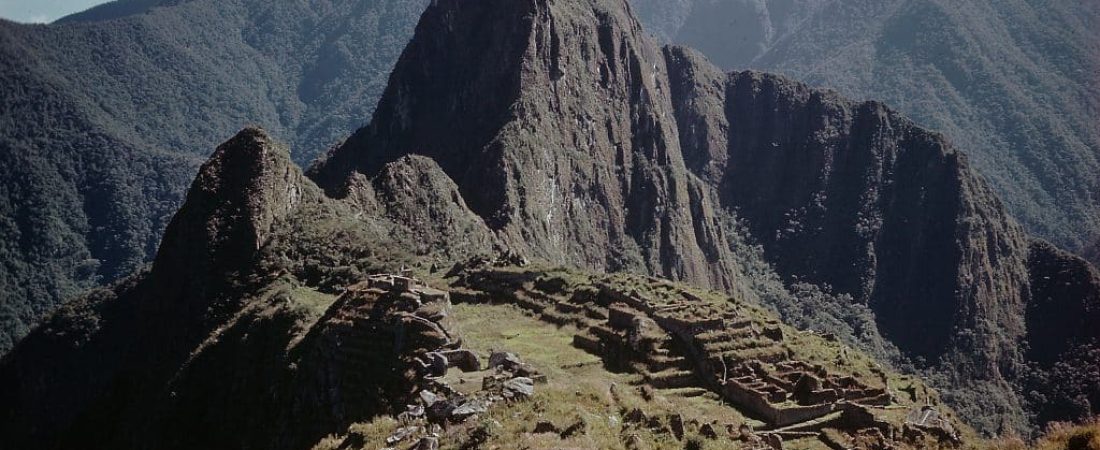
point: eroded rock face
(422, 207)
(559, 141)
(596, 148)
(1062, 334)
(247, 186)
(854, 196)
(557, 130)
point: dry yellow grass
(1060, 436)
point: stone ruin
(428, 340)
(686, 346)
(439, 405)
(745, 363)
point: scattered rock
(511, 258)
(546, 426)
(414, 411)
(635, 442)
(493, 383)
(469, 408)
(401, 434)
(773, 441)
(427, 443)
(464, 360)
(708, 431)
(506, 360)
(635, 416)
(428, 398)
(441, 410)
(676, 422)
(575, 429)
(654, 423)
(520, 387)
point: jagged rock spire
(247, 186)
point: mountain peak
(578, 140)
(247, 185)
(533, 108)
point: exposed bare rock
(579, 142)
(246, 187)
(604, 189)
(599, 149)
(421, 208)
(1062, 334)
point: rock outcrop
(596, 148)
(246, 187)
(99, 371)
(1063, 339)
(556, 130)
(420, 206)
(854, 196)
(561, 140)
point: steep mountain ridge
(544, 196)
(234, 340)
(856, 197)
(107, 116)
(587, 145)
(1011, 82)
(302, 70)
(130, 366)
(1064, 361)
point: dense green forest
(1011, 82)
(106, 114)
(105, 117)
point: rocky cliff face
(1010, 82)
(113, 355)
(572, 158)
(108, 114)
(597, 148)
(854, 196)
(1064, 358)
(247, 186)
(201, 350)
(558, 130)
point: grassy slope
(581, 388)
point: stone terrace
(683, 344)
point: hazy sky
(42, 10)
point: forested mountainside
(236, 339)
(309, 73)
(560, 130)
(601, 150)
(246, 264)
(107, 114)
(1012, 82)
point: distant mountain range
(557, 130)
(1012, 82)
(107, 115)
(141, 89)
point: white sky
(42, 11)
